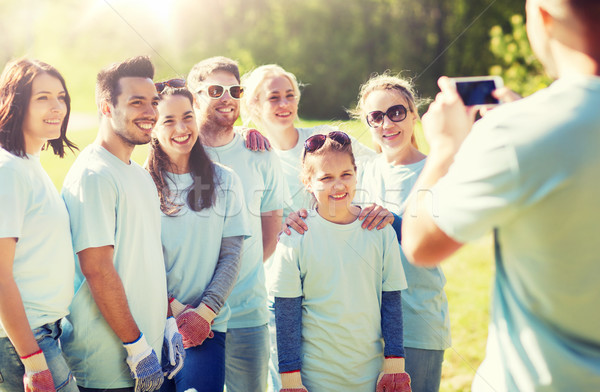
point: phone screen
(477, 92)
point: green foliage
(520, 69)
(332, 46)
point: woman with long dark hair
(203, 227)
(36, 254)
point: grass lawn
(469, 271)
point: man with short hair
(215, 83)
(528, 171)
(114, 334)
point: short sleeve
(276, 191)
(481, 189)
(394, 278)
(285, 280)
(91, 203)
(13, 203)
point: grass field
(469, 271)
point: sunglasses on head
(216, 91)
(174, 83)
(317, 141)
(395, 113)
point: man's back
(537, 188)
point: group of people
(186, 273)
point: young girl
(386, 104)
(337, 287)
(203, 227)
(36, 255)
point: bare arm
(271, 226)
(12, 312)
(108, 292)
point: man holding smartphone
(528, 172)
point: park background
(332, 46)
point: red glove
(194, 325)
(393, 378)
(292, 382)
(37, 376)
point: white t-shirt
(112, 203)
(191, 240)
(264, 191)
(529, 171)
(340, 271)
(32, 211)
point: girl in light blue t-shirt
(337, 288)
(37, 264)
(203, 227)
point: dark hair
(107, 81)
(200, 195)
(15, 93)
(328, 147)
(588, 12)
(201, 70)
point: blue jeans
(274, 378)
(247, 359)
(203, 368)
(424, 368)
(12, 369)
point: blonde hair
(253, 82)
(386, 81)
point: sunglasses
(216, 91)
(317, 141)
(174, 83)
(395, 113)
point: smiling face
(135, 113)
(220, 113)
(45, 113)
(176, 129)
(332, 181)
(393, 137)
(278, 105)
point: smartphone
(477, 90)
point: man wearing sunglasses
(217, 92)
(528, 172)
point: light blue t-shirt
(529, 171)
(32, 211)
(264, 191)
(424, 303)
(191, 240)
(112, 203)
(340, 271)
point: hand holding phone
(477, 90)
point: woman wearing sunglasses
(386, 104)
(202, 237)
(37, 265)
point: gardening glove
(292, 382)
(37, 376)
(393, 378)
(173, 353)
(143, 365)
(194, 325)
(176, 307)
